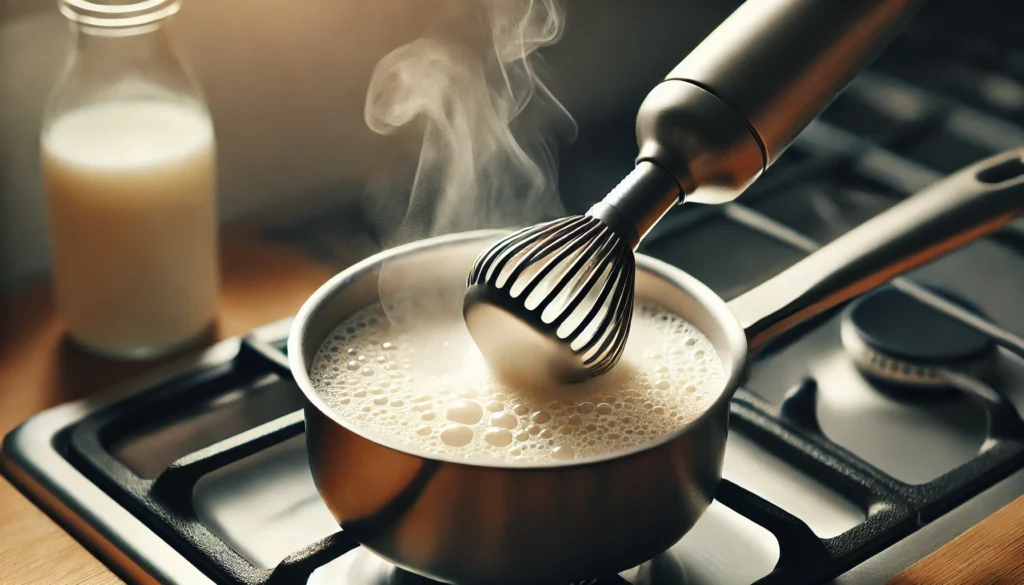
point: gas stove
(861, 442)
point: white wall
(286, 80)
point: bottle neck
(142, 42)
(114, 15)
(122, 58)
(139, 63)
(119, 33)
(140, 53)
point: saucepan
(462, 522)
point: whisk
(556, 299)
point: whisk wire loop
(571, 279)
(553, 256)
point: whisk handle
(734, 104)
(638, 202)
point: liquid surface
(131, 198)
(418, 382)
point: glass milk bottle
(128, 162)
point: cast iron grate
(790, 431)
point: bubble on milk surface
(414, 379)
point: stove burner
(363, 567)
(898, 340)
(661, 570)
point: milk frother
(560, 295)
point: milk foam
(417, 381)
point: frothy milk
(420, 383)
(130, 188)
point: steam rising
(490, 127)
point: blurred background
(286, 83)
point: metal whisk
(555, 300)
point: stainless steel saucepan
(556, 522)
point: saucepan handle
(970, 203)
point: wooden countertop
(262, 282)
(990, 553)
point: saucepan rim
(735, 342)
